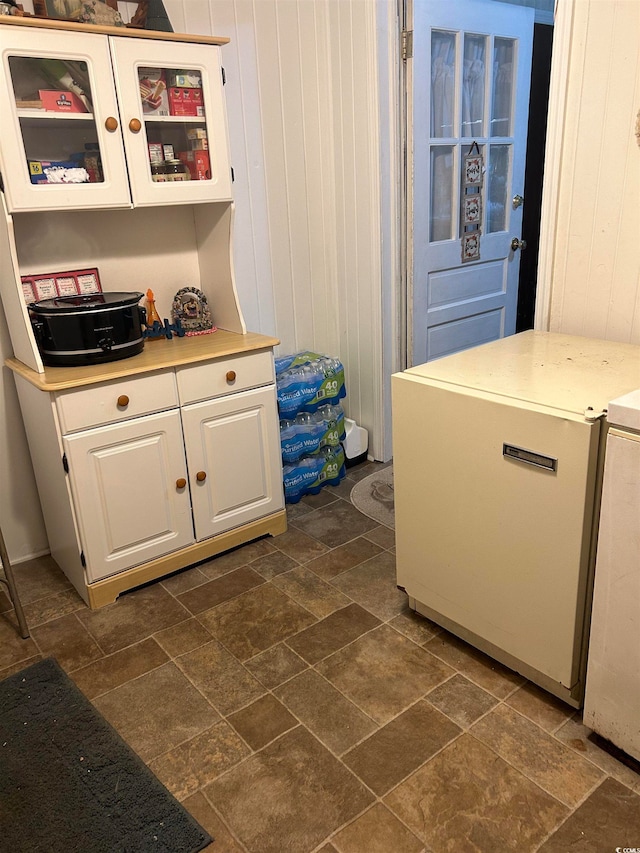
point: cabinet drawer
(120, 400)
(225, 376)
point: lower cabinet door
(130, 492)
(233, 453)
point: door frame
(558, 85)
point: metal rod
(13, 592)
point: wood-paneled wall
(591, 216)
(303, 105)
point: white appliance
(498, 454)
(612, 699)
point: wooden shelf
(125, 32)
(149, 119)
(51, 116)
(157, 355)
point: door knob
(201, 476)
(135, 125)
(518, 244)
(231, 376)
(517, 201)
(123, 401)
(111, 124)
(181, 483)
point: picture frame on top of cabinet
(66, 10)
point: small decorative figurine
(191, 310)
(154, 329)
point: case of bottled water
(308, 432)
(312, 423)
(307, 381)
(308, 474)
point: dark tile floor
(284, 692)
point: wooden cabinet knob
(231, 376)
(111, 124)
(181, 483)
(123, 401)
(135, 125)
(201, 476)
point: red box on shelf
(185, 102)
(51, 284)
(61, 102)
(198, 164)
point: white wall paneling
(305, 114)
(590, 265)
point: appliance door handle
(529, 457)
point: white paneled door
(469, 98)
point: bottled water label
(308, 432)
(308, 382)
(313, 471)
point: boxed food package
(185, 102)
(57, 172)
(153, 91)
(185, 79)
(61, 102)
(198, 164)
(156, 154)
(196, 133)
(197, 137)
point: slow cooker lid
(85, 302)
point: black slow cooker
(96, 327)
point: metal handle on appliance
(529, 457)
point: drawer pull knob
(135, 125)
(181, 483)
(111, 124)
(201, 476)
(123, 401)
(231, 376)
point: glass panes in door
(54, 105)
(473, 86)
(442, 193)
(175, 124)
(443, 82)
(499, 172)
(503, 86)
(472, 91)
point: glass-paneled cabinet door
(174, 121)
(61, 143)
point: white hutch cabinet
(154, 462)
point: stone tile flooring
(285, 693)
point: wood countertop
(126, 32)
(156, 355)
